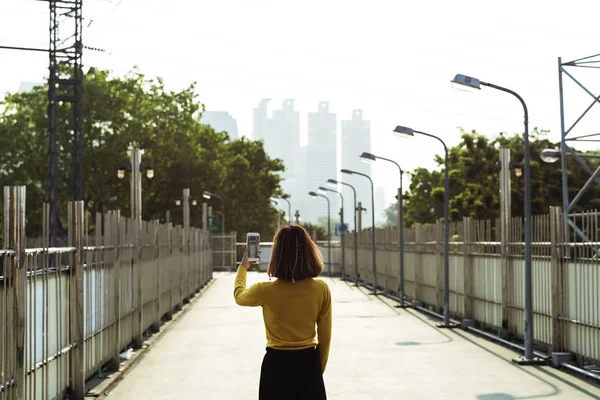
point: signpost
(338, 229)
(213, 223)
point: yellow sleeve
(324, 328)
(252, 296)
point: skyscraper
(221, 121)
(356, 139)
(320, 161)
(281, 136)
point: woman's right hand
(245, 263)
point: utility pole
(66, 86)
(297, 215)
(65, 49)
(360, 210)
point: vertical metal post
(557, 229)
(186, 245)
(355, 241)
(505, 216)
(528, 265)
(14, 239)
(343, 241)
(116, 242)
(374, 240)
(563, 148)
(467, 269)
(446, 242)
(223, 237)
(204, 216)
(401, 242)
(136, 215)
(77, 364)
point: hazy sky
(393, 59)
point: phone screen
(253, 243)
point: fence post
(157, 270)
(16, 277)
(76, 286)
(467, 268)
(114, 235)
(169, 268)
(439, 252)
(418, 263)
(557, 234)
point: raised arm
(324, 328)
(252, 296)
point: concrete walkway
(378, 352)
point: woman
(292, 305)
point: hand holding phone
(253, 246)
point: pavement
(215, 350)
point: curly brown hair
(294, 255)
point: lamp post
(334, 183)
(136, 179)
(350, 172)
(277, 198)
(402, 130)
(342, 222)
(314, 194)
(371, 158)
(208, 195)
(136, 167)
(470, 83)
(278, 213)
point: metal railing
(486, 278)
(66, 313)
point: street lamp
(278, 213)
(277, 198)
(350, 172)
(342, 222)
(471, 83)
(315, 195)
(404, 131)
(371, 158)
(333, 183)
(136, 179)
(208, 195)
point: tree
(474, 181)
(133, 110)
(317, 232)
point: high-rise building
(261, 121)
(221, 121)
(320, 163)
(356, 139)
(281, 136)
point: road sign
(338, 229)
(213, 223)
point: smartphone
(253, 244)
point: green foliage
(474, 181)
(134, 110)
(317, 232)
(322, 221)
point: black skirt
(291, 375)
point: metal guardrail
(486, 279)
(67, 313)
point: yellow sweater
(290, 311)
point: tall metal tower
(65, 85)
(565, 70)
